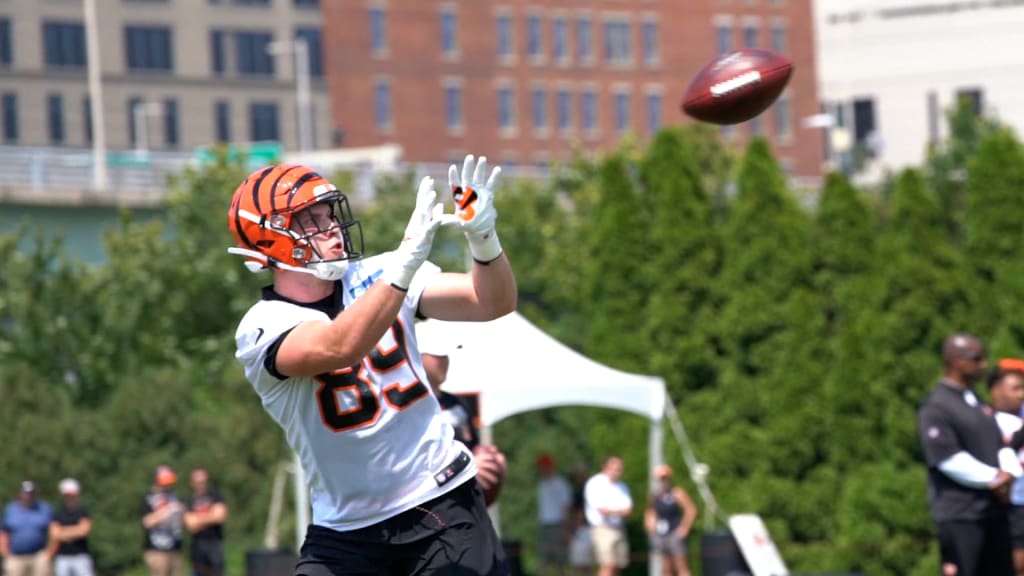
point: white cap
(69, 486)
(435, 339)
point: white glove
(474, 206)
(419, 237)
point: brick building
(527, 81)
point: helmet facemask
(315, 229)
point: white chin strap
(330, 271)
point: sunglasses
(973, 356)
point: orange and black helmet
(265, 214)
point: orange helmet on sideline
(265, 215)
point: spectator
(554, 503)
(23, 535)
(581, 545)
(204, 518)
(969, 469)
(162, 519)
(69, 533)
(608, 504)
(668, 518)
(459, 413)
(1006, 389)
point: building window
(534, 41)
(863, 119)
(133, 133)
(973, 98)
(650, 37)
(506, 46)
(378, 30)
(315, 49)
(616, 43)
(779, 41)
(449, 36)
(750, 35)
(784, 118)
(382, 105)
(171, 136)
(584, 39)
(622, 111)
(87, 119)
(539, 102)
(563, 110)
(6, 52)
(506, 108)
(64, 44)
(453, 107)
(55, 117)
(723, 38)
(560, 39)
(222, 118)
(148, 48)
(263, 124)
(10, 113)
(217, 52)
(654, 112)
(588, 106)
(252, 54)
(756, 126)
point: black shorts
(450, 535)
(977, 548)
(1017, 526)
(207, 557)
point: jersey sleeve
(260, 330)
(938, 439)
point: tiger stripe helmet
(266, 209)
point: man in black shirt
(204, 519)
(69, 533)
(969, 468)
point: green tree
(681, 265)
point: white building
(890, 69)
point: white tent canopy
(513, 366)
(516, 367)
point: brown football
(736, 86)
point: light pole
(300, 49)
(140, 114)
(95, 69)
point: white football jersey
(371, 437)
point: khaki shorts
(37, 564)
(610, 546)
(165, 562)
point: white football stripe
(722, 88)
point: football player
(331, 349)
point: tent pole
(487, 437)
(655, 456)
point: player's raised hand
(419, 236)
(473, 192)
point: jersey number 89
(391, 363)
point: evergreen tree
(762, 429)
(614, 287)
(681, 266)
(995, 233)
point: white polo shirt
(601, 492)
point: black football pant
(977, 548)
(451, 535)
